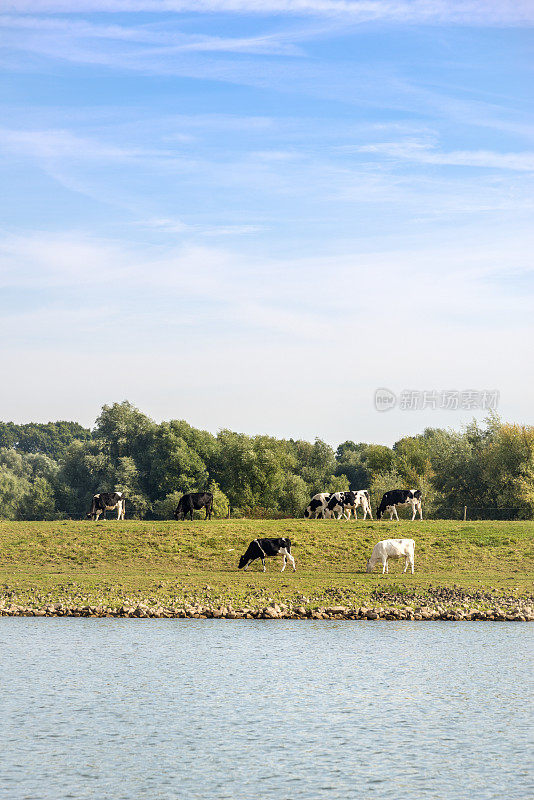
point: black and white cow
(317, 506)
(107, 501)
(354, 499)
(335, 507)
(194, 502)
(400, 497)
(266, 548)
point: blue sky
(252, 214)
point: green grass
(162, 561)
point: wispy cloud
(323, 182)
(36, 33)
(177, 226)
(63, 144)
(463, 12)
(425, 154)
(264, 184)
(266, 61)
(214, 306)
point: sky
(251, 214)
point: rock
(372, 615)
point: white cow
(392, 548)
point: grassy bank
(175, 565)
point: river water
(130, 709)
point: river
(129, 709)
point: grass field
(163, 562)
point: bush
(221, 503)
(164, 509)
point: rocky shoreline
(446, 605)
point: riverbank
(444, 605)
(473, 570)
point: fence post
(465, 513)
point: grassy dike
(463, 570)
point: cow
(317, 505)
(400, 497)
(265, 548)
(392, 548)
(194, 502)
(335, 507)
(354, 499)
(107, 501)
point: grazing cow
(317, 506)
(392, 548)
(353, 500)
(107, 501)
(265, 548)
(194, 502)
(335, 507)
(400, 497)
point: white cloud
(463, 12)
(177, 226)
(273, 335)
(63, 144)
(231, 279)
(425, 154)
(165, 39)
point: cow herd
(109, 501)
(339, 505)
(335, 505)
(382, 552)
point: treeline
(51, 471)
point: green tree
(351, 461)
(174, 465)
(382, 482)
(38, 502)
(338, 483)
(13, 488)
(220, 501)
(294, 495)
(51, 438)
(315, 463)
(378, 459)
